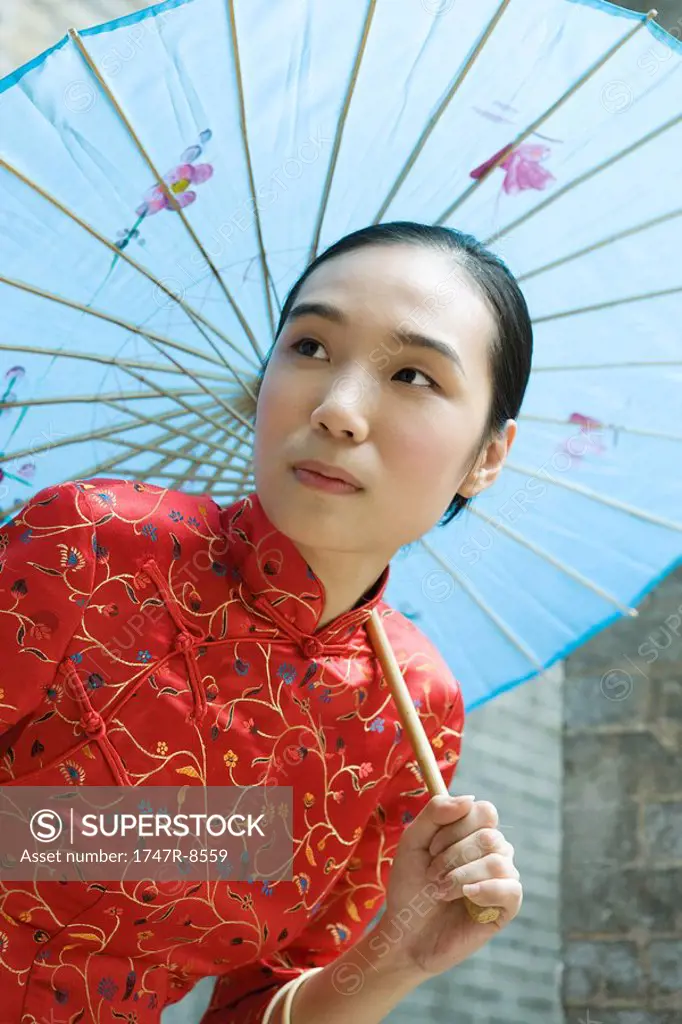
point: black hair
(511, 351)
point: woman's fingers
(480, 844)
(482, 815)
(505, 893)
(439, 812)
(493, 866)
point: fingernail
(471, 889)
(459, 798)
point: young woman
(151, 637)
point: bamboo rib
(585, 176)
(107, 433)
(343, 116)
(101, 467)
(493, 616)
(125, 325)
(607, 366)
(191, 439)
(153, 422)
(585, 77)
(239, 485)
(195, 317)
(249, 165)
(76, 39)
(122, 396)
(96, 357)
(616, 427)
(125, 367)
(561, 566)
(433, 121)
(150, 447)
(177, 482)
(594, 246)
(609, 305)
(594, 496)
(116, 461)
(155, 340)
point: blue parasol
(166, 177)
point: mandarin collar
(279, 582)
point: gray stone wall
(622, 891)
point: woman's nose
(344, 409)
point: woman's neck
(346, 577)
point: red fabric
(151, 637)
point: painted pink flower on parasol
(522, 165)
(178, 182)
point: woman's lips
(323, 483)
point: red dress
(151, 637)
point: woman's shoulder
(135, 499)
(107, 494)
(110, 518)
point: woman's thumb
(439, 811)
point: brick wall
(27, 27)
(622, 893)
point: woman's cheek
(422, 449)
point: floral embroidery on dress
(149, 649)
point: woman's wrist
(363, 984)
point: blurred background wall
(584, 764)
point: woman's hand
(453, 843)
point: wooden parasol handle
(426, 759)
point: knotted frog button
(92, 723)
(184, 641)
(312, 647)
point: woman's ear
(489, 464)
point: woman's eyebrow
(405, 337)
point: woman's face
(345, 386)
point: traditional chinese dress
(151, 637)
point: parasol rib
(617, 427)
(561, 566)
(607, 366)
(594, 496)
(534, 125)
(610, 305)
(594, 246)
(343, 116)
(435, 118)
(156, 340)
(493, 616)
(122, 396)
(153, 422)
(249, 165)
(126, 367)
(105, 433)
(175, 206)
(113, 463)
(197, 318)
(95, 357)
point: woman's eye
(298, 347)
(305, 341)
(430, 382)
